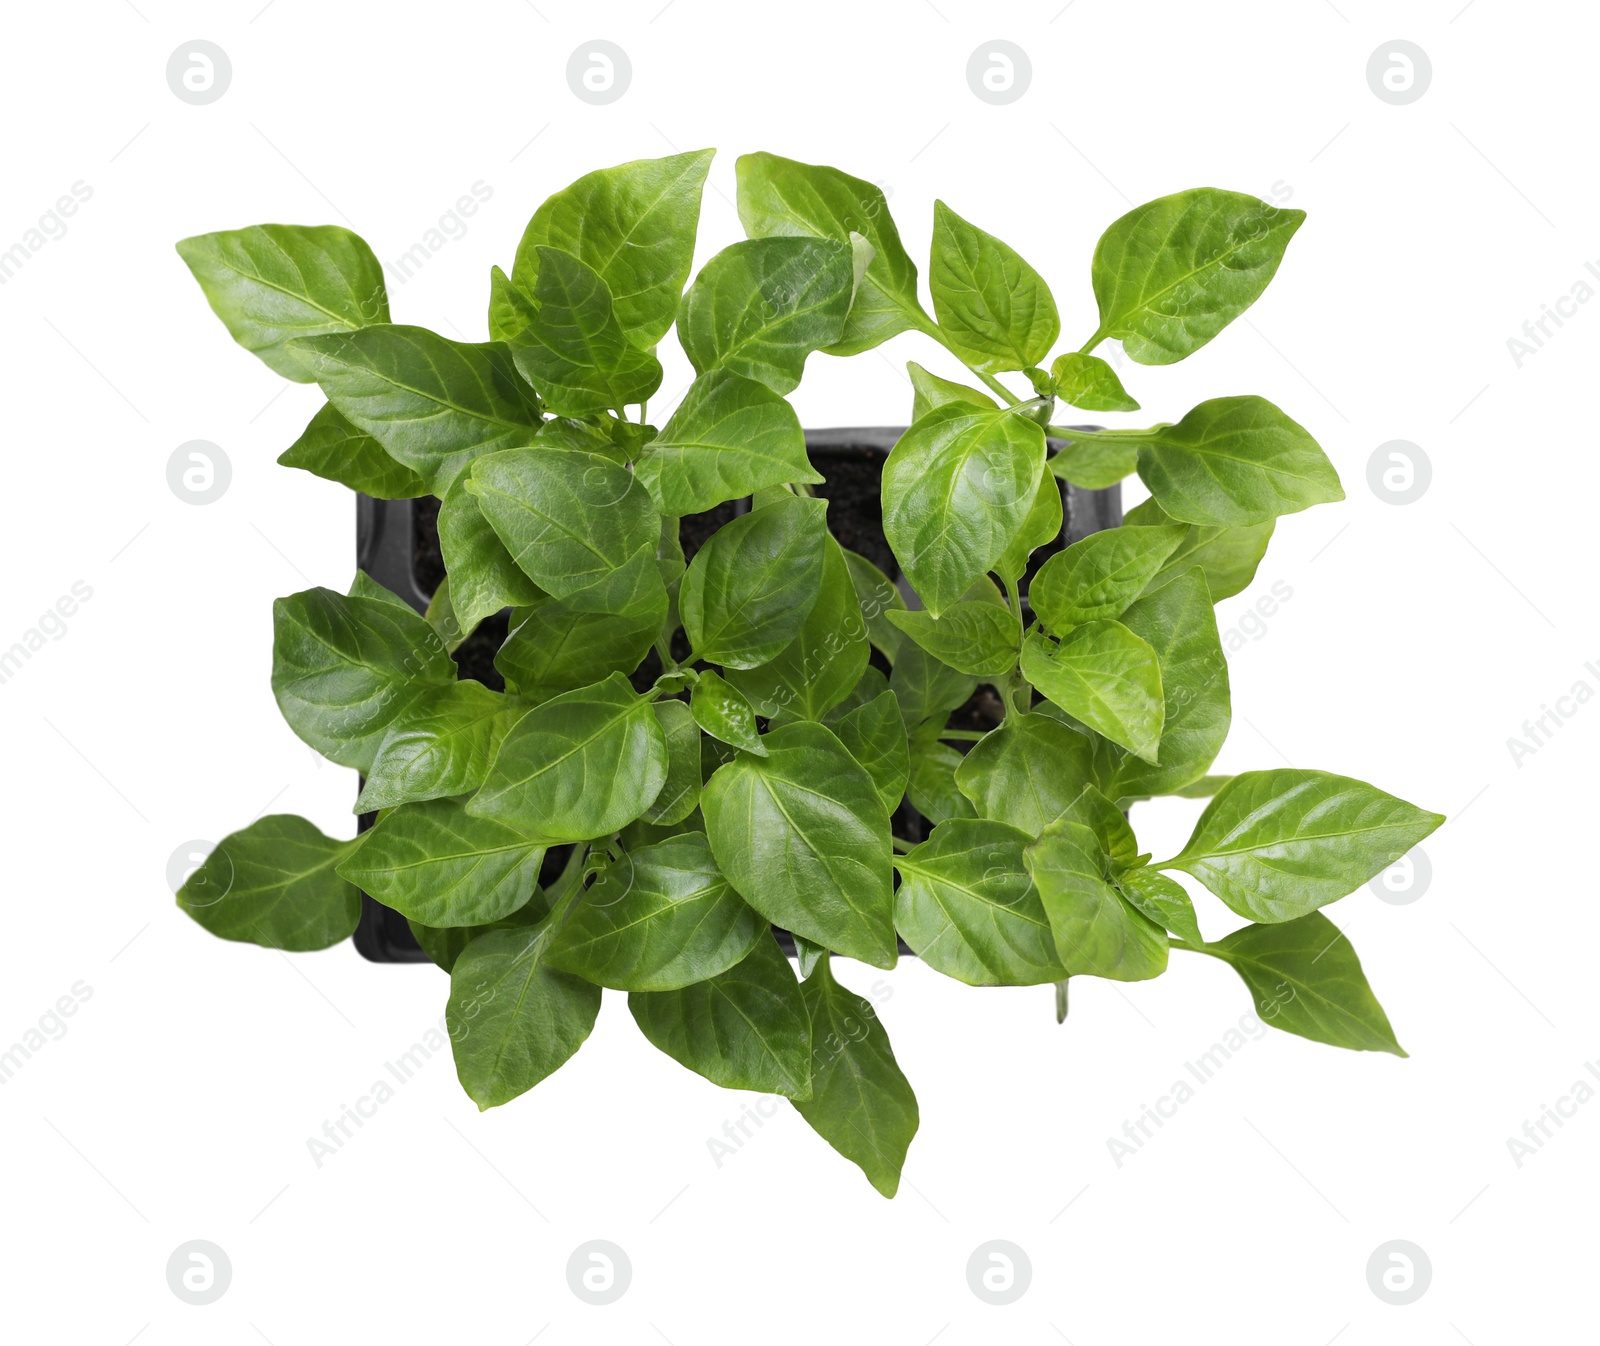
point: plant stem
(964, 735)
(902, 845)
(1176, 943)
(1092, 342)
(932, 329)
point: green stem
(930, 328)
(964, 735)
(1092, 342)
(1174, 942)
(902, 845)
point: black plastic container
(397, 543)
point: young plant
(687, 755)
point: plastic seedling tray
(397, 543)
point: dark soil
(855, 516)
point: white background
(1418, 639)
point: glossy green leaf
(994, 308)
(819, 667)
(1089, 383)
(1177, 621)
(1098, 933)
(1305, 978)
(513, 1019)
(275, 884)
(483, 575)
(876, 595)
(1235, 461)
(1026, 772)
(635, 225)
(444, 944)
(1105, 676)
(552, 648)
(579, 766)
(781, 197)
(972, 637)
(967, 906)
(680, 795)
(434, 404)
(440, 748)
(927, 689)
(1228, 556)
(1041, 526)
(657, 919)
(869, 686)
(930, 391)
(1099, 577)
(721, 710)
(271, 283)
(574, 350)
(364, 586)
(759, 307)
(1275, 845)
(861, 1102)
(957, 488)
(510, 310)
(750, 589)
(931, 785)
(577, 523)
(746, 1028)
(803, 836)
(1162, 899)
(728, 438)
(875, 735)
(1109, 825)
(333, 449)
(345, 669)
(1096, 461)
(1172, 273)
(440, 865)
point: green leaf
(819, 667)
(722, 711)
(1089, 383)
(333, 449)
(1162, 900)
(1177, 622)
(514, 1020)
(437, 864)
(573, 350)
(995, 308)
(1235, 461)
(875, 735)
(931, 785)
(746, 1028)
(806, 956)
(657, 919)
(1228, 556)
(275, 884)
(579, 766)
(635, 225)
(345, 669)
(1305, 978)
(441, 747)
(434, 404)
(1042, 525)
(1275, 845)
(972, 637)
(957, 488)
(750, 589)
(483, 575)
(1110, 828)
(728, 438)
(927, 689)
(1170, 274)
(759, 307)
(967, 906)
(1099, 577)
(803, 836)
(553, 649)
(578, 524)
(680, 796)
(861, 1103)
(364, 586)
(875, 596)
(1026, 772)
(444, 944)
(510, 310)
(1098, 933)
(271, 283)
(1096, 461)
(780, 197)
(930, 391)
(870, 685)
(1105, 676)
